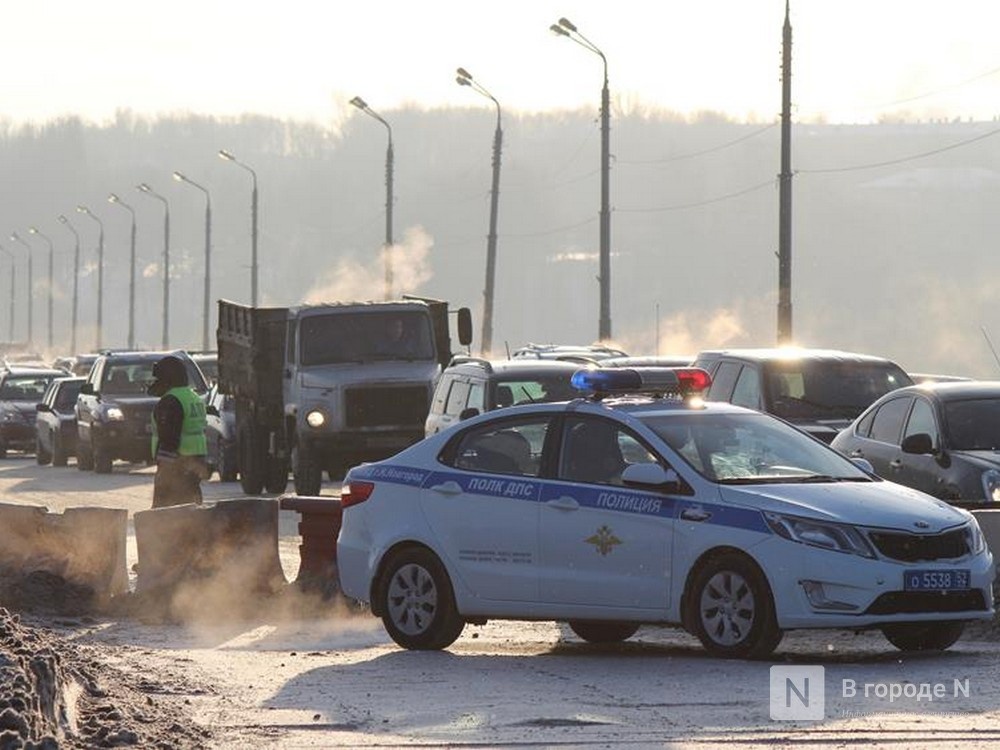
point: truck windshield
(371, 335)
(815, 389)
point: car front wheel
(731, 609)
(923, 636)
(42, 456)
(603, 632)
(417, 603)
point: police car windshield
(751, 449)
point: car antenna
(506, 345)
(990, 344)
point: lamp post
(76, 279)
(13, 292)
(144, 188)
(363, 106)
(566, 28)
(100, 273)
(33, 230)
(112, 198)
(15, 237)
(223, 154)
(206, 312)
(464, 78)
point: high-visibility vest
(193, 441)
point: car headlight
(974, 537)
(114, 414)
(315, 418)
(11, 416)
(832, 536)
(991, 486)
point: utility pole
(785, 190)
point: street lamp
(33, 230)
(112, 198)
(76, 279)
(144, 188)
(15, 237)
(363, 106)
(13, 291)
(206, 312)
(100, 273)
(566, 28)
(223, 154)
(464, 78)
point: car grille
(917, 547)
(138, 420)
(382, 407)
(917, 602)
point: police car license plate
(935, 580)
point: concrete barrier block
(84, 547)
(227, 549)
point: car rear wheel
(603, 632)
(84, 456)
(416, 601)
(42, 456)
(102, 459)
(923, 636)
(731, 610)
(59, 456)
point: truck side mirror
(464, 326)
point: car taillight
(355, 492)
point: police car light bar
(607, 381)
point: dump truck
(324, 387)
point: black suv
(21, 389)
(470, 386)
(114, 412)
(820, 391)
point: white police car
(646, 508)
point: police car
(638, 504)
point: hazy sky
(853, 59)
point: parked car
(652, 360)
(925, 377)
(78, 364)
(940, 438)
(612, 512)
(21, 389)
(471, 386)
(220, 434)
(55, 422)
(114, 412)
(818, 390)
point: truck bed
(251, 345)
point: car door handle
(448, 488)
(856, 453)
(896, 465)
(565, 502)
(695, 514)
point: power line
(902, 159)
(718, 199)
(550, 231)
(694, 154)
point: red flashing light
(355, 493)
(693, 379)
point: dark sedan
(21, 389)
(940, 438)
(55, 425)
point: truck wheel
(417, 602)
(59, 455)
(42, 456)
(276, 477)
(102, 459)
(251, 464)
(226, 463)
(307, 473)
(84, 456)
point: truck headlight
(832, 536)
(114, 414)
(991, 486)
(316, 418)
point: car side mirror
(212, 409)
(653, 476)
(464, 326)
(468, 413)
(87, 389)
(864, 464)
(918, 444)
(42, 407)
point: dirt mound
(56, 694)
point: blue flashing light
(619, 380)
